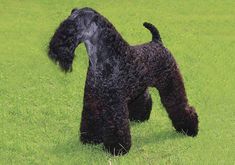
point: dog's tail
(155, 33)
(62, 45)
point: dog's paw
(116, 149)
(187, 122)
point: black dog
(117, 79)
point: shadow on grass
(73, 147)
(159, 137)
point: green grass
(40, 107)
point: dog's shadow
(155, 137)
(73, 147)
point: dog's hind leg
(173, 97)
(140, 108)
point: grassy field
(40, 107)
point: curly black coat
(117, 79)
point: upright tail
(62, 45)
(155, 33)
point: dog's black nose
(73, 10)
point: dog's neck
(104, 47)
(92, 53)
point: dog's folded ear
(74, 9)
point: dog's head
(77, 28)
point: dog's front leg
(91, 122)
(116, 131)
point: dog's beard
(63, 44)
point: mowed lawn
(40, 106)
